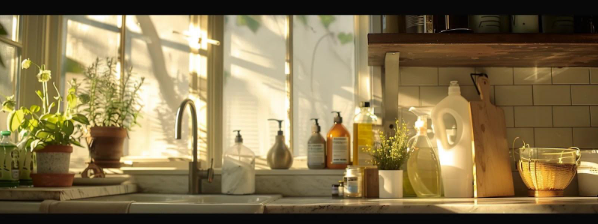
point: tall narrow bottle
(423, 165)
(338, 142)
(316, 148)
(365, 134)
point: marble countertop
(438, 205)
(64, 193)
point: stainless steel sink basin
(179, 203)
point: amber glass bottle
(338, 141)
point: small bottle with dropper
(238, 168)
(279, 156)
(338, 144)
(316, 148)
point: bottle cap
(454, 88)
(338, 119)
(5, 133)
(238, 138)
(315, 127)
(279, 125)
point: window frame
(362, 88)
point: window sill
(218, 171)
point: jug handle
(578, 155)
(442, 131)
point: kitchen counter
(438, 205)
(64, 193)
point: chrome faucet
(195, 174)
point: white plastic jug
(453, 133)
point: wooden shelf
(498, 50)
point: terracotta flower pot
(53, 167)
(106, 146)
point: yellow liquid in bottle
(424, 172)
(363, 138)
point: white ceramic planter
(390, 183)
(53, 162)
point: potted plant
(112, 107)
(389, 155)
(49, 132)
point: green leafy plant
(109, 101)
(42, 126)
(391, 152)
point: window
(257, 82)
(10, 51)
(164, 50)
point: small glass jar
(353, 182)
(335, 191)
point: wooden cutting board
(492, 168)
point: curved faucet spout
(179, 121)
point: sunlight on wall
(254, 89)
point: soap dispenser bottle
(423, 166)
(338, 145)
(279, 156)
(238, 168)
(316, 148)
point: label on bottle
(315, 154)
(15, 174)
(352, 186)
(340, 147)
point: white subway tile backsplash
(585, 137)
(532, 76)
(553, 137)
(594, 75)
(509, 117)
(408, 96)
(498, 75)
(552, 95)
(584, 94)
(571, 116)
(460, 74)
(418, 76)
(570, 75)
(513, 95)
(533, 116)
(430, 96)
(594, 115)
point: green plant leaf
(68, 127)
(43, 135)
(252, 22)
(75, 142)
(3, 31)
(302, 19)
(15, 119)
(39, 94)
(81, 119)
(327, 20)
(71, 65)
(345, 38)
(49, 125)
(34, 108)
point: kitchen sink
(180, 203)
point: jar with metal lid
(353, 182)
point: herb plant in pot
(112, 106)
(388, 156)
(49, 132)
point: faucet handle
(211, 171)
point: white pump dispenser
(453, 133)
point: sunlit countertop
(438, 205)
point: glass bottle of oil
(365, 133)
(423, 165)
(338, 144)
